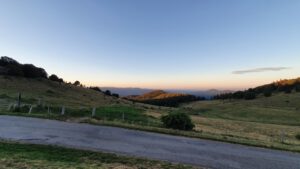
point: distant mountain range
(140, 91)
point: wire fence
(107, 113)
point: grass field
(278, 109)
(25, 156)
(267, 122)
(273, 120)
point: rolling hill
(36, 86)
(54, 93)
(281, 86)
(162, 98)
(129, 91)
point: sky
(161, 44)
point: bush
(298, 136)
(14, 70)
(31, 71)
(180, 121)
(76, 83)
(55, 78)
(107, 92)
(267, 93)
(297, 88)
(250, 96)
(96, 89)
(21, 109)
(115, 95)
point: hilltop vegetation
(285, 86)
(34, 81)
(162, 98)
(9, 66)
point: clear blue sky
(186, 44)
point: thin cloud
(258, 70)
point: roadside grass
(119, 113)
(253, 134)
(278, 109)
(281, 137)
(56, 94)
(27, 156)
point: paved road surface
(199, 152)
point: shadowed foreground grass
(25, 156)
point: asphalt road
(197, 152)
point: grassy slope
(270, 120)
(60, 94)
(78, 101)
(245, 122)
(15, 156)
(51, 92)
(278, 109)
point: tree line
(171, 101)
(11, 67)
(286, 86)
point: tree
(8, 61)
(107, 92)
(180, 121)
(55, 78)
(115, 95)
(31, 71)
(297, 88)
(267, 92)
(76, 83)
(14, 70)
(249, 95)
(96, 89)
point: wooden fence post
(63, 110)
(19, 100)
(94, 112)
(30, 109)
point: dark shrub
(180, 121)
(115, 95)
(31, 71)
(96, 89)
(250, 95)
(107, 92)
(298, 136)
(238, 95)
(267, 93)
(288, 90)
(21, 109)
(76, 83)
(14, 70)
(4, 61)
(55, 78)
(297, 88)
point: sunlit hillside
(54, 93)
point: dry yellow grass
(249, 130)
